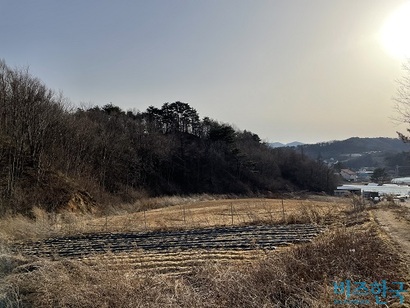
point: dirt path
(397, 227)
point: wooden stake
(145, 220)
(232, 214)
(283, 211)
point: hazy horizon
(307, 71)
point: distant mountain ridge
(355, 145)
(358, 152)
(283, 145)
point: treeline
(48, 153)
(354, 145)
(356, 153)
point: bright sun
(395, 33)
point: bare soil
(395, 222)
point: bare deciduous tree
(402, 100)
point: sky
(287, 70)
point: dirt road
(396, 224)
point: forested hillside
(355, 145)
(53, 157)
(358, 152)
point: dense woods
(50, 154)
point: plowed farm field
(174, 239)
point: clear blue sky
(285, 69)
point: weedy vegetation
(295, 276)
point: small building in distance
(348, 175)
(373, 189)
(364, 175)
(404, 180)
(343, 191)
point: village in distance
(372, 167)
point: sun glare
(395, 33)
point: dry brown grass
(43, 225)
(175, 213)
(297, 276)
(210, 213)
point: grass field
(292, 276)
(176, 213)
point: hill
(358, 152)
(53, 158)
